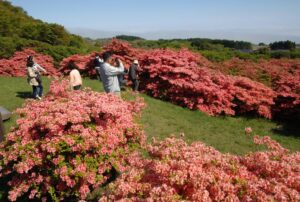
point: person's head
(107, 57)
(136, 62)
(30, 61)
(72, 65)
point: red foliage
(283, 75)
(84, 62)
(185, 78)
(16, 65)
(177, 171)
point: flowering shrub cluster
(16, 65)
(185, 79)
(68, 144)
(283, 75)
(84, 63)
(288, 96)
(177, 171)
(188, 79)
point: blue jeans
(37, 91)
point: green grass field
(161, 119)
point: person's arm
(71, 79)
(113, 71)
(40, 68)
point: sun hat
(135, 62)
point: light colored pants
(117, 93)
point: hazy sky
(255, 20)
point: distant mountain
(254, 36)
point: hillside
(19, 30)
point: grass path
(160, 119)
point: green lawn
(161, 119)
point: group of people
(110, 72)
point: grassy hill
(19, 30)
(161, 119)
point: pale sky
(255, 20)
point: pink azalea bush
(68, 144)
(186, 79)
(177, 171)
(84, 63)
(16, 65)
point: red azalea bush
(84, 63)
(186, 79)
(264, 71)
(67, 144)
(287, 102)
(16, 65)
(177, 171)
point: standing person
(133, 69)
(32, 78)
(97, 63)
(75, 78)
(109, 74)
(121, 79)
(37, 68)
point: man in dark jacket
(132, 74)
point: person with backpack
(133, 75)
(109, 74)
(34, 77)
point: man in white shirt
(109, 74)
(75, 78)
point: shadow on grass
(287, 128)
(24, 94)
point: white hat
(135, 62)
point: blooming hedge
(16, 65)
(176, 171)
(186, 79)
(68, 144)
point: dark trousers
(135, 85)
(37, 91)
(78, 87)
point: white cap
(135, 62)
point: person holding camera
(109, 74)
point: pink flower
(248, 130)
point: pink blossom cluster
(84, 63)
(68, 144)
(176, 171)
(283, 75)
(16, 65)
(288, 95)
(186, 79)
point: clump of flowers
(16, 65)
(68, 144)
(248, 130)
(177, 171)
